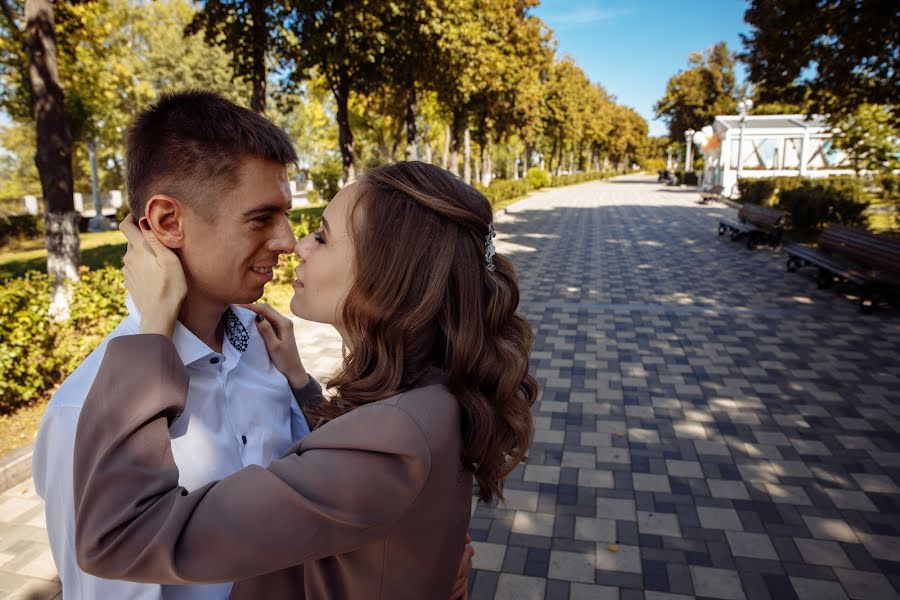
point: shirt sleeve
(52, 474)
(345, 486)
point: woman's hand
(154, 277)
(278, 333)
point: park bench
(713, 193)
(867, 260)
(757, 223)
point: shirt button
(214, 360)
(244, 439)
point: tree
(829, 55)
(870, 138)
(246, 29)
(343, 42)
(694, 97)
(53, 156)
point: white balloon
(699, 138)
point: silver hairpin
(489, 251)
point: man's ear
(165, 215)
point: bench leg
(751, 241)
(722, 229)
(824, 279)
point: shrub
(560, 180)
(537, 178)
(757, 191)
(813, 203)
(36, 352)
(14, 227)
(326, 179)
(655, 164)
(500, 190)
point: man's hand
(461, 587)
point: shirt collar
(189, 347)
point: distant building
(773, 146)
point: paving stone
(488, 557)
(861, 585)
(619, 558)
(595, 530)
(684, 468)
(655, 523)
(620, 509)
(583, 591)
(572, 566)
(647, 482)
(816, 589)
(518, 587)
(719, 518)
(823, 552)
(717, 583)
(825, 528)
(753, 545)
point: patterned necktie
(236, 332)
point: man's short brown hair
(191, 144)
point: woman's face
(325, 274)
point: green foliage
(501, 190)
(813, 203)
(757, 191)
(37, 353)
(20, 227)
(694, 97)
(537, 178)
(870, 137)
(561, 180)
(830, 56)
(326, 179)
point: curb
(15, 467)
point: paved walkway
(709, 425)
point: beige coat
(373, 504)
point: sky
(633, 48)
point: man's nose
(284, 241)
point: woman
(434, 390)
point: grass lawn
(97, 250)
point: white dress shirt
(240, 411)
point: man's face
(229, 259)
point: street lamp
(689, 145)
(743, 107)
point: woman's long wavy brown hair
(423, 298)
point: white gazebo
(770, 146)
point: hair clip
(489, 251)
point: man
(211, 179)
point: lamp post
(688, 146)
(743, 107)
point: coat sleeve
(345, 486)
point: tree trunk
(412, 152)
(526, 159)
(467, 148)
(476, 164)
(486, 174)
(260, 45)
(345, 134)
(54, 155)
(459, 120)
